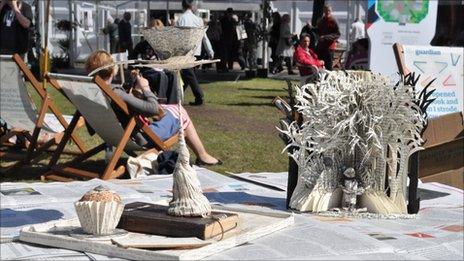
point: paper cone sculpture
(188, 199)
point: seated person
(358, 56)
(162, 82)
(146, 105)
(306, 59)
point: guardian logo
(429, 52)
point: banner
(446, 65)
(401, 21)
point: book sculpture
(353, 145)
(177, 44)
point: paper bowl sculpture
(172, 41)
(99, 211)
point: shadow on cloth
(15, 218)
(244, 198)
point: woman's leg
(194, 142)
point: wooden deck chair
(93, 100)
(307, 78)
(18, 110)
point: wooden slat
(12, 155)
(76, 172)
(43, 110)
(67, 134)
(119, 149)
(118, 172)
(171, 141)
(56, 178)
(7, 136)
(87, 154)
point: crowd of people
(230, 38)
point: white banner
(445, 64)
(400, 21)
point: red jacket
(306, 59)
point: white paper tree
(358, 120)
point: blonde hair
(156, 23)
(98, 59)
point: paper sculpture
(99, 211)
(360, 123)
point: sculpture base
(153, 219)
(340, 213)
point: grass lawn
(237, 125)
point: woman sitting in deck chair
(145, 104)
(308, 63)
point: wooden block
(153, 219)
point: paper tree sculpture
(177, 45)
(360, 121)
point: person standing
(188, 19)
(125, 34)
(15, 22)
(237, 53)
(251, 42)
(357, 31)
(214, 34)
(311, 31)
(285, 47)
(228, 37)
(329, 33)
(111, 30)
(274, 40)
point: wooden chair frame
(34, 150)
(111, 170)
(399, 57)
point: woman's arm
(146, 107)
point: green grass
(237, 125)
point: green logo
(410, 12)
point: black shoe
(196, 103)
(291, 73)
(200, 163)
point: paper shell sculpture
(173, 41)
(360, 121)
(99, 211)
